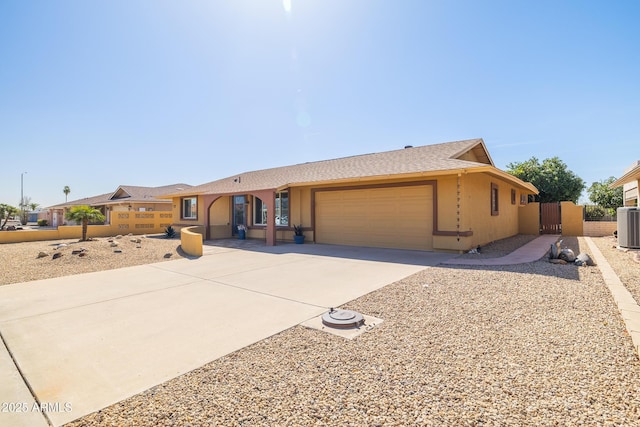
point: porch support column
(268, 197)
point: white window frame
(260, 214)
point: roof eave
(506, 176)
(632, 175)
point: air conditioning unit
(629, 228)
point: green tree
(84, 215)
(602, 194)
(553, 180)
(66, 190)
(6, 212)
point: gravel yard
(533, 344)
(22, 264)
(626, 263)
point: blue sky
(98, 94)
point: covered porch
(261, 212)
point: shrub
(169, 232)
(43, 223)
(594, 213)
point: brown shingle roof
(428, 158)
(129, 193)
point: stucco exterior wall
(529, 218)
(140, 207)
(191, 240)
(571, 219)
(176, 210)
(477, 209)
(474, 191)
(447, 200)
(220, 218)
(121, 223)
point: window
(513, 197)
(259, 212)
(494, 199)
(189, 208)
(282, 210)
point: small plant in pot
(298, 235)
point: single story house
(446, 196)
(124, 198)
(630, 182)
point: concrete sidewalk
(87, 341)
(530, 252)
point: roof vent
(342, 319)
(408, 146)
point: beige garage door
(393, 217)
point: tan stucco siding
(529, 218)
(447, 204)
(477, 209)
(219, 213)
(571, 219)
(220, 218)
(180, 222)
(392, 217)
(300, 206)
(135, 206)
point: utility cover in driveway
(91, 340)
(342, 319)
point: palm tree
(33, 206)
(84, 215)
(66, 190)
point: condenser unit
(629, 228)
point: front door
(239, 213)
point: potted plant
(298, 235)
(242, 232)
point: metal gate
(550, 222)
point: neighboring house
(438, 197)
(630, 182)
(125, 198)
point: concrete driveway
(76, 344)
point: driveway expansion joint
(24, 379)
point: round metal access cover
(342, 319)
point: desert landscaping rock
(97, 255)
(532, 344)
(622, 262)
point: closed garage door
(390, 217)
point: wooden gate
(550, 222)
